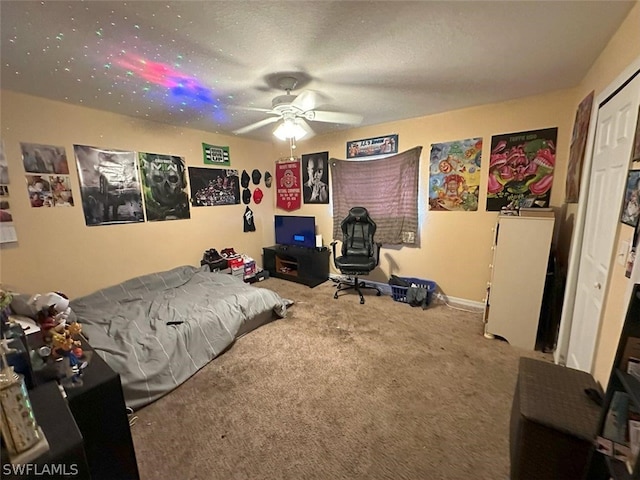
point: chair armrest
(376, 252)
(333, 246)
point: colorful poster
(454, 175)
(164, 184)
(315, 171)
(214, 186)
(631, 206)
(576, 151)
(372, 146)
(288, 191)
(49, 190)
(521, 169)
(109, 185)
(215, 155)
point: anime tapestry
(109, 185)
(521, 169)
(164, 184)
(214, 186)
(454, 175)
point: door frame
(575, 250)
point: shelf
(308, 266)
(631, 385)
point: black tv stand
(309, 266)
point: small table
(553, 421)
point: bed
(157, 330)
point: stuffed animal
(56, 300)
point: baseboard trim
(385, 288)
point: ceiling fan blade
(306, 127)
(334, 117)
(256, 125)
(306, 100)
(252, 109)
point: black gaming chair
(360, 254)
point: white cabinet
(514, 295)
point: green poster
(215, 155)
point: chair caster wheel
(335, 295)
(378, 294)
(362, 300)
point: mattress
(157, 330)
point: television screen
(297, 231)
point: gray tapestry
(387, 188)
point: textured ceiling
(205, 64)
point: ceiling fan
(295, 111)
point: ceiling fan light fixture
(290, 129)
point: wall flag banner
(288, 185)
(214, 155)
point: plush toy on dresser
(60, 336)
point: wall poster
(521, 169)
(7, 228)
(372, 146)
(109, 185)
(214, 186)
(631, 205)
(4, 166)
(577, 149)
(164, 184)
(315, 177)
(288, 191)
(48, 180)
(454, 175)
(635, 152)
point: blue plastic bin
(399, 294)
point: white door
(610, 164)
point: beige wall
(57, 251)
(455, 247)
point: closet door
(611, 156)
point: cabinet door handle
(597, 285)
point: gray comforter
(157, 330)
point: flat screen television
(295, 231)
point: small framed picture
(631, 206)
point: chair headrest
(358, 213)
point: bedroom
(57, 251)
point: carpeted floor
(340, 390)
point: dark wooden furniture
(66, 457)
(603, 464)
(99, 411)
(309, 266)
